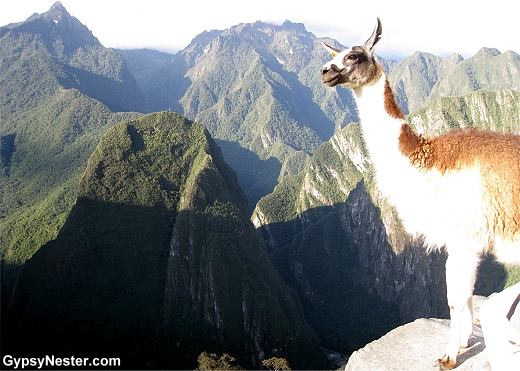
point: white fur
(446, 208)
(338, 56)
(440, 206)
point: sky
(440, 27)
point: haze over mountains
(135, 227)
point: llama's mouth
(330, 75)
(331, 80)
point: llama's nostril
(324, 70)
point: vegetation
(49, 126)
(211, 361)
(276, 364)
(117, 250)
(158, 245)
(484, 109)
(98, 259)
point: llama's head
(353, 67)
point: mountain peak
(487, 52)
(57, 27)
(192, 256)
(58, 6)
(290, 26)
(57, 11)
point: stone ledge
(416, 346)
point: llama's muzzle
(330, 75)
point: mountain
(256, 85)
(329, 230)
(59, 87)
(73, 54)
(158, 261)
(423, 78)
(144, 63)
(256, 88)
(495, 110)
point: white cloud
(441, 27)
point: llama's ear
(331, 50)
(372, 41)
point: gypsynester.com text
(20, 363)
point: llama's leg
(467, 324)
(460, 279)
(501, 337)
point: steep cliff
(158, 262)
(358, 274)
(331, 232)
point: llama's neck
(382, 122)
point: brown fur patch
(412, 145)
(458, 149)
(497, 156)
(391, 106)
(447, 363)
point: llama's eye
(352, 57)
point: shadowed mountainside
(158, 262)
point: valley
(156, 206)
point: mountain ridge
(83, 63)
(208, 81)
(50, 126)
(163, 286)
(437, 77)
(290, 139)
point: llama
(461, 190)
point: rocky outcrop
(392, 263)
(336, 240)
(341, 245)
(418, 345)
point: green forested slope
(50, 125)
(495, 110)
(257, 89)
(423, 78)
(158, 262)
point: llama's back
(457, 170)
(460, 149)
(497, 156)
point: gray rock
(416, 346)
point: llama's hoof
(447, 363)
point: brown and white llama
(461, 190)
